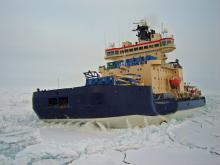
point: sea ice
(24, 139)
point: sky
(44, 42)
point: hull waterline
(113, 106)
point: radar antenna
(144, 31)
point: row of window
(138, 69)
(116, 52)
(61, 101)
(163, 70)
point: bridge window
(151, 46)
(135, 49)
(168, 42)
(121, 51)
(131, 50)
(140, 48)
(164, 42)
(126, 50)
(108, 53)
(145, 47)
(116, 52)
(112, 52)
(156, 45)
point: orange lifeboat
(175, 82)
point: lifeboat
(175, 82)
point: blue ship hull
(102, 101)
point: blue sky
(43, 40)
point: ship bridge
(149, 42)
(163, 45)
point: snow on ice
(24, 139)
